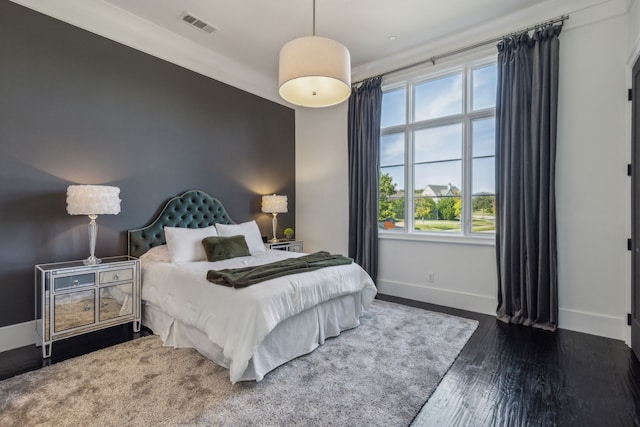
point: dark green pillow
(218, 248)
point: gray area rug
(380, 373)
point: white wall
(634, 30)
(592, 186)
(464, 275)
(322, 193)
(592, 195)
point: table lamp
(274, 205)
(93, 200)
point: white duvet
(238, 320)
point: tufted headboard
(193, 209)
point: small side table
(285, 245)
(73, 298)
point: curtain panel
(365, 108)
(526, 128)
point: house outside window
(437, 152)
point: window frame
(408, 81)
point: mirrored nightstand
(73, 298)
(285, 245)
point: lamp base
(274, 224)
(92, 260)
(93, 232)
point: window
(437, 152)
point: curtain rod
(433, 59)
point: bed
(252, 330)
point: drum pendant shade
(315, 72)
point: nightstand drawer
(116, 276)
(75, 281)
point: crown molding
(109, 21)
(582, 12)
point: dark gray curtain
(365, 107)
(526, 127)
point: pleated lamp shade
(314, 72)
(93, 200)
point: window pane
(394, 107)
(484, 179)
(391, 198)
(483, 217)
(438, 98)
(483, 201)
(437, 196)
(392, 149)
(397, 178)
(438, 214)
(484, 137)
(437, 179)
(484, 87)
(438, 143)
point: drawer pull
(116, 276)
(75, 282)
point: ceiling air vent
(197, 22)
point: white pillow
(185, 244)
(156, 254)
(250, 232)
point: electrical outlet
(430, 277)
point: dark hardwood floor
(506, 375)
(29, 358)
(510, 375)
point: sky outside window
(438, 98)
(484, 87)
(483, 145)
(392, 155)
(394, 108)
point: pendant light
(314, 71)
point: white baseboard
(573, 320)
(592, 323)
(455, 299)
(18, 335)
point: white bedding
(238, 320)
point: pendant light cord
(314, 18)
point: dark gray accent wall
(76, 108)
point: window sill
(438, 238)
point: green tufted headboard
(193, 209)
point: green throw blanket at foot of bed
(247, 276)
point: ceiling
(252, 32)
(381, 35)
